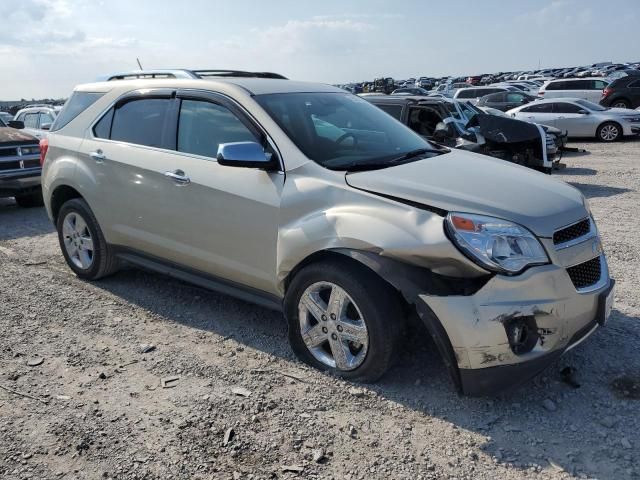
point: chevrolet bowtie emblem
(21, 163)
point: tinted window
(77, 103)
(394, 110)
(102, 129)
(566, 108)
(515, 97)
(140, 121)
(466, 93)
(599, 85)
(538, 108)
(31, 120)
(203, 126)
(555, 86)
(495, 97)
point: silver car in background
(581, 118)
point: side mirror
(18, 124)
(45, 126)
(584, 112)
(244, 154)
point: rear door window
(141, 122)
(557, 86)
(538, 108)
(563, 107)
(203, 126)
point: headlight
(632, 119)
(497, 245)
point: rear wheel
(344, 319)
(609, 132)
(82, 242)
(621, 103)
(30, 200)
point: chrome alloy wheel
(609, 132)
(332, 326)
(77, 240)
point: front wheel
(609, 132)
(82, 242)
(344, 319)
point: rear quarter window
(77, 103)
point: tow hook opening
(522, 333)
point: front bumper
(542, 300)
(20, 182)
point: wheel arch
(60, 195)
(618, 124)
(408, 281)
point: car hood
(467, 182)
(11, 136)
(620, 111)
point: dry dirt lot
(97, 409)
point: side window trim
(165, 93)
(234, 107)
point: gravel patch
(139, 376)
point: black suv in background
(20, 166)
(622, 93)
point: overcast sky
(48, 46)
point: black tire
(29, 201)
(621, 103)
(103, 261)
(379, 304)
(606, 127)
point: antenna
(139, 64)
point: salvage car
(240, 184)
(19, 166)
(581, 118)
(454, 124)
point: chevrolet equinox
(305, 198)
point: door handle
(98, 156)
(178, 176)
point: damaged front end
(512, 140)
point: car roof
(409, 99)
(553, 100)
(255, 86)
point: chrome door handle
(98, 156)
(178, 176)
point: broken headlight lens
(497, 245)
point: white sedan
(581, 118)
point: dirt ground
(242, 407)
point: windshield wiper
(389, 162)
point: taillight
(44, 147)
(606, 92)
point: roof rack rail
(237, 73)
(192, 74)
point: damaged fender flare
(411, 281)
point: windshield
(343, 131)
(591, 106)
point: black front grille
(585, 274)
(572, 232)
(9, 165)
(8, 152)
(31, 163)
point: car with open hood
(307, 199)
(464, 126)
